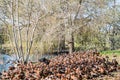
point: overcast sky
(118, 2)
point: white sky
(118, 2)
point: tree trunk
(112, 39)
(61, 44)
(112, 44)
(71, 44)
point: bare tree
(22, 21)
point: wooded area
(60, 39)
(45, 26)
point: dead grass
(114, 75)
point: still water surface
(7, 60)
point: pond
(7, 60)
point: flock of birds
(76, 66)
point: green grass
(111, 52)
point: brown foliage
(76, 66)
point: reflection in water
(4, 59)
(7, 60)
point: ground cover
(88, 65)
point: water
(5, 62)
